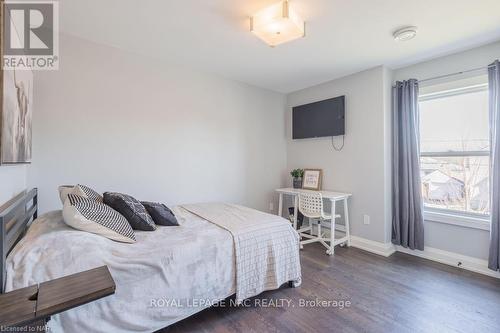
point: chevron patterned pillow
(80, 190)
(89, 215)
(90, 193)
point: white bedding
(168, 275)
(192, 262)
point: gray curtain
(494, 104)
(407, 207)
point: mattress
(168, 275)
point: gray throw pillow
(160, 213)
(132, 209)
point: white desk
(333, 197)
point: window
(454, 145)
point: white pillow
(80, 190)
(96, 217)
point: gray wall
(118, 121)
(361, 168)
(12, 181)
(387, 95)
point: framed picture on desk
(312, 179)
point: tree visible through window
(454, 145)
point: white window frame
(449, 216)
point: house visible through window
(454, 145)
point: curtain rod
(457, 73)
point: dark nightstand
(28, 309)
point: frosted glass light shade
(277, 24)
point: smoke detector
(404, 34)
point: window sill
(457, 219)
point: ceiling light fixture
(277, 24)
(404, 34)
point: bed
(166, 276)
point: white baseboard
(382, 249)
(449, 258)
(453, 259)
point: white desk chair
(311, 206)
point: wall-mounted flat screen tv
(319, 119)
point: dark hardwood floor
(401, 293)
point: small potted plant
(297, 175)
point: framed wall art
(312, 179)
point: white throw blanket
(266, 246)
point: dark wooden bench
(28, 309)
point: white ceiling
(343, 36)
